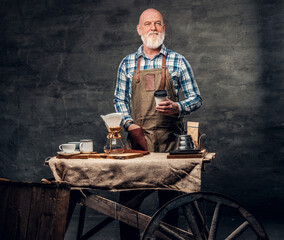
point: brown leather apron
(159, 130)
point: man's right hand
(133, 126)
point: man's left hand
(168, 107)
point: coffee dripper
(114, 142)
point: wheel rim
(190, 207)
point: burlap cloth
(153, 171)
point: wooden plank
(131, 203)
(195, 155)
(60, 214)
(11, 227)
(23, 208)
(118, 156)
(74, 198)
(32, 210)
(209, 156)
(4, 196)
(117, 211)
(81, 221)
(45, 228)
(78, 156)
(102, 155)
(35, 212)
(15, 205)
(126, 215)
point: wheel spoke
(191, 222)
(169, 233)
(235, 234)
(214, 222)
(200, 219)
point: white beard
(153, 42)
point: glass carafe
(114, 143)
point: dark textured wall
(58, 64)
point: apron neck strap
(138, 69)
(163, 74)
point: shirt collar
(163, 51)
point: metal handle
(201, 136)
(46, 161)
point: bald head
(151, 28)
(149, 14)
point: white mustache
(153, 32)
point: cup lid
(160, 93)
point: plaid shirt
(179, 69)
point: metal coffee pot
(185, 142)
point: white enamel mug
(86, 146)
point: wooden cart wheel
(206, 216)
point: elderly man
(151, 68)
(140, 74)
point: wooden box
(33, 210)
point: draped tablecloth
(153, 171)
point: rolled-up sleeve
(121, 94)
(193, 99)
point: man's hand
(133, 126)
(168, 107)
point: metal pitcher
(185, 142)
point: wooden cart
(200, 213)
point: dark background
(58, 65)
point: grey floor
(274, 226)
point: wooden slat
(102, 155)
(32, 210)
(117, 211)
(11, 227)
(24, 196)
(74, 198)
(195, 155)
(131, 203)
(46, 216)
(81, 221)
(35, 209)
(126, 215)
(17, 203)
(4, 195)
(208, 157)
(60, 213)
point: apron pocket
(150, 82)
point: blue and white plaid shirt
(179, 69)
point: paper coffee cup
(160, 95)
